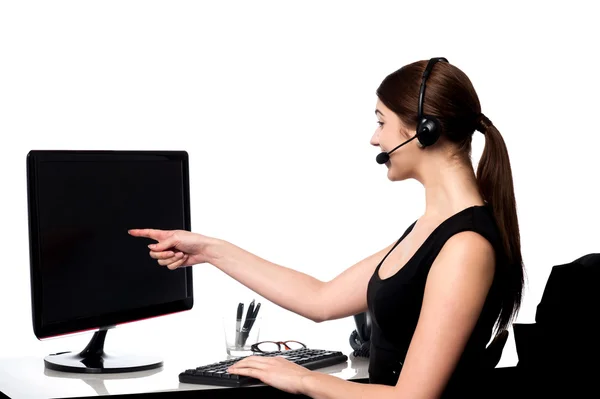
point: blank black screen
(89, 265)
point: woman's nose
(375, 139)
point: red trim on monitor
(118, 324)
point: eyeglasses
(275, 346)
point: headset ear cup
(430, 131)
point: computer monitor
(87, 272)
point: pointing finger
(149, 233)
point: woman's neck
(450, 186)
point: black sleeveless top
(395, 303)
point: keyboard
(216, 373)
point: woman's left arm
(457, 286)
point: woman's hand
(176, 248)
(275, 371)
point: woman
(435, 294)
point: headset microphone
(385, 156)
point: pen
(238, 323)
(249, 313)
(252, 320)
(255, 312)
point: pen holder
(239, 337)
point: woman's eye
(380, 123)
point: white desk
(28, 378)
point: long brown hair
(451, 98)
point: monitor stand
(93, 359)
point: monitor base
(93, 360)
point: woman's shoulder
(474, 226)
(484, 221)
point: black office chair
(493, 352)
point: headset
(428, 126)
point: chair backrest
(571, 295)
(565, 330)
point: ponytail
(494, 178)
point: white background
(274, 103)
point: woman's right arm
(345, 295)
